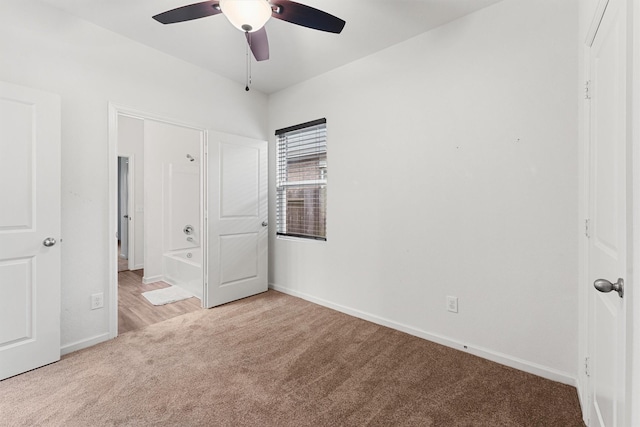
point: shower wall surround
(181, 200)
(172, 194)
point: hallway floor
(135, 312)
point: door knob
(603, 285)
(265, 223)
(49, 241)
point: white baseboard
(503, 359)
(151, 279)
(138, 266)
(79, 345)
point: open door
(236, 218)
(29, 229)
(123, 207)
(608, 219)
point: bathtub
(183, 268)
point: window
(302, 180)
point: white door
(123, 204)
(29, 229)
(236, 218)
(608, 206)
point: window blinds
(302, 180)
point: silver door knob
(49, 241)
(603, 285)
(265, 223)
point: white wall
(453, 170)
(131, 143)
(88, 66)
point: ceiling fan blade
(306, 16)
(189, 12)
(259, 44)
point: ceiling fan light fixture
(246, 15)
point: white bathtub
(183, 268)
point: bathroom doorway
(187, 173)
(158, 218)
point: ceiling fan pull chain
(248, 80)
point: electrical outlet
(97, 301)
(452, 304)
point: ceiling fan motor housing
(246, 15)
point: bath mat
(166, 295)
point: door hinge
(587, 370)
(587, 89)
(587, 223)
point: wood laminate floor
(123, 263)
(135, 312)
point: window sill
(299, 239)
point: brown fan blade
(189, 12)
(259, 44)
(306, 16)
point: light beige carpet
(276, 360)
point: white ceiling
(296, 53)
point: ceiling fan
(249, 16)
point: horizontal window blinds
(302, 180)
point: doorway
(223, 236)
(157, 219)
